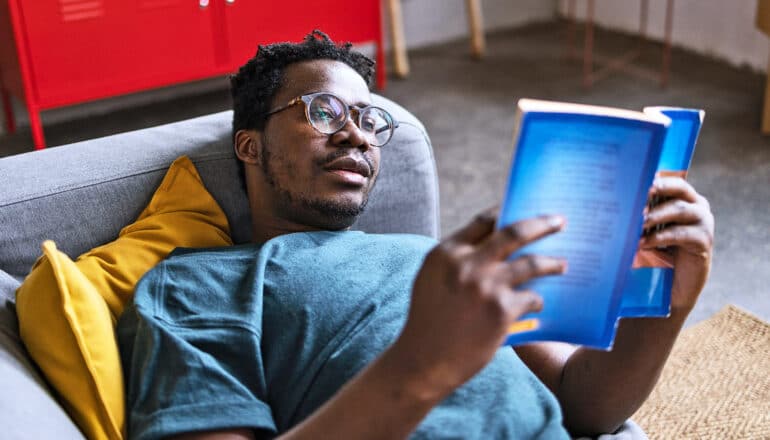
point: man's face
(311, 178)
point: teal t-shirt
(260, 336)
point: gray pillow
(27, 408)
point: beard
(330, 214)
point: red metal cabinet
(61, 52)
(249, 22)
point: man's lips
(349, 164)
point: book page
(587, 168)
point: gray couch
(81, 195)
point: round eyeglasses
(328, 113)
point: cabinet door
(88, 49)
(253, 22)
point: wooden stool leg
(400, 61)
(476, 25)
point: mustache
(334, 155)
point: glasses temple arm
(289, 104)
(395, 126)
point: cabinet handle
(203, 3)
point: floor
(468, 107)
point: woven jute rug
(716, 384)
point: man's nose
(350, 135)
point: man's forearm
(384, 401)
(600, 390)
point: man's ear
(248, 144)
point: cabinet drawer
(89, 49)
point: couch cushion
(67, 310)
(81, 195)
(27, 409)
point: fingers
(517, 303)
(686, 218)
(510, 238)
(475, 231)
(527, 267)
(673, 187)
(695, 239)
(498, 286)
(673, 211)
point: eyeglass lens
(328, 114)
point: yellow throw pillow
(67, 310)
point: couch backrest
(81, 195)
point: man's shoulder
(191, 278)
(219, 252)
(198, 262)
(354, 237)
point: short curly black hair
(257, 81)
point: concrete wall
(718, 28)
(432, 21)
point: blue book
(647, 291)
(594, 165)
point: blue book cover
(593, 165)
(648, 288)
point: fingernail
(556, 221)
(564, 266)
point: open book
(594, 165)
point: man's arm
(386, 400)
(599, 390)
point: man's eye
(323, 114)
(368, 124)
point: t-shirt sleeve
(199, 374)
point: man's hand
(689, 233)
(465, 298)
(598, 390)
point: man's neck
(270, 219)
(266, 227)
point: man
(319, 332)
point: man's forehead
(327, 76)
